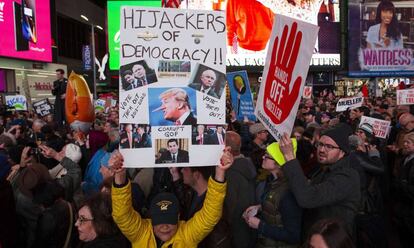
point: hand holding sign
(278, 99)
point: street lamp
(93, 51)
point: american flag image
(171, 3)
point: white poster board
(381, 127)
(287, 64)
(172, 80)
(405, 97)
(349, 103)
(17, 102)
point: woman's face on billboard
(386, 16)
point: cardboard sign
(287, 64)
(307, 92)
(42, 107)
(349, 103)
(405, 97)
(241, 95)
(17, 102)
(172, 80)
(381, 127)
(100, 105)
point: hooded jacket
(140, 232)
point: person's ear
(180, 105)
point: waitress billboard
(25, 29)
(381, 38)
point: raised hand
(226, 161)
(116, 162)
(278, 98)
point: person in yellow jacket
(164, 228)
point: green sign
(113, 13)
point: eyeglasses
(82, 219)
(267, 157)
(328, 147)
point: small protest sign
(100, 105)
(307, 92)
(381, 127)
(287, 63)
(42, 107)
(405, 97)
(349, 103)
(16, 102)
(241, 95)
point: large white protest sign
(381, 127)
(172, 79)
(405, 97)
(16, 102)
(42, 107)
(349, 103)
(284, 75)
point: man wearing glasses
(334, 192)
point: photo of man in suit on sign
(173, 154)
(137, 75)
(217, 138)
(208, 81)
(199, 136)
(176, 108)
(128, 138)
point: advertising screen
(113, 13)
(25, 29)
(381, 39)
(249, 24)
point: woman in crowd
(280, 219)
(95, 225)
(386, 33)
(404, 187)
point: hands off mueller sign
(285, 73)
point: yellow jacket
(140, 233)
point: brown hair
(332, 232)
(100, 206)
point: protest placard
(100, 105)
(381, 127)
(16, 102)
(405, 97)
(42, 107)
(172, 80)
(241, 95)
(349, 103)
(307, 92)
(284, 75)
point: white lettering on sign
(2, 11)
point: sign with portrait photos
(172, 86)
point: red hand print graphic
(278, 101)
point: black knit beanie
(340, 134)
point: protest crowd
(334, 185)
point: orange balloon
(80, 112)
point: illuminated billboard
(113, 13)
(249, 24)
(382, 41)
(25, 29)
